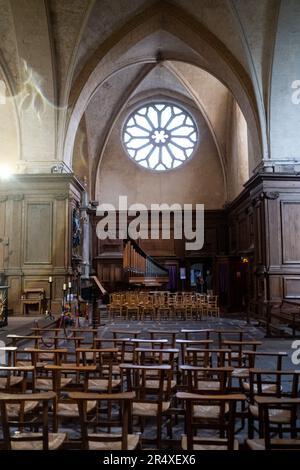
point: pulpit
(33, 301)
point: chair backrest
(254, 358)
(138, 377)
(224, 421)
(9, 425)
(227, 335)
(123, 403)
(208, 357)
(197, 378)
(104, 359)
(238, 347)
(119, 333)
(79, 373)
(170, 335)
(46, 356)
(203, 334)
(159, 343)
(188, 343)
(151, 356)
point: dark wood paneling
(290, 230)
(291, 287)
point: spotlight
(5, 172)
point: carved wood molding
(272, 195)
(61, 196)
(16, 197)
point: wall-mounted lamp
(244, 259)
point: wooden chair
(150, 402)
(98, 440)
(206, 379)
(170, 335)
(270, 384)
(33, 298)
(211, 307)
(238, 358)
(197, 334)
(187, 343)
(208, 357)
(105, 359)
(124, 333)
(23, 440)
(14, 378)
(230, 335)
(10, 355)
(39, 358)
(279, 406)
(252, 360)
(15, 339)
(223, 421)
(64, 408)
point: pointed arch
(212, 55)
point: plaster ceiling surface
(8, 40)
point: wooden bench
(284, 313)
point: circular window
(160, 136)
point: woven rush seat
(47, 384)
(205, 446)
(275, 416)
(56, 440)
(71, 409)
(102, 384)
(259, 444)
(208, 385)
(148, 409)
(208, 411)
(155, 384)
(271, 388)
(13, 410)
(240, 372)
(38, 365)
(13, 381)
(132, 440)
(46, 356)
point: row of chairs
(161, 306)
(205, 410)
(158, 369)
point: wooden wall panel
(275, 287)
(14, 293)
(291, 287)
(60, 232)
(2, 232)
(38, 233)
(290, 230)
(273, 235)
(14, 230)
(35, 224)
(243, 231)
(159, 247)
